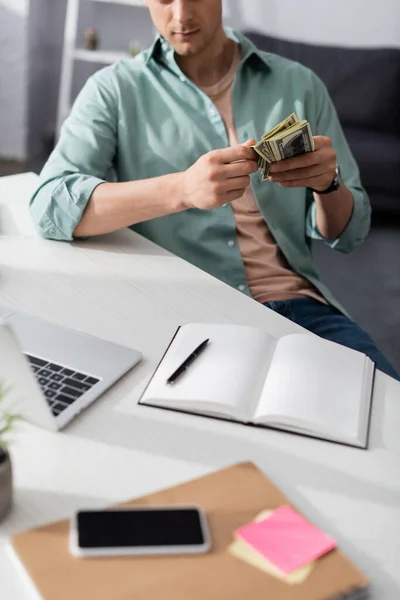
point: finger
(323, 148)
(321, 141)
(298, 174)
(311, 182)
(249, 143)
(239, 169)
(297, 162)
(235, 183)
(232, 154)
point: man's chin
(187, 49)
(184, 51)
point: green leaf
(7, 420)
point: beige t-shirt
(267, 271)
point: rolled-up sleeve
(79, 163)
(327, 123)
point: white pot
(5, 482)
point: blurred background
(48, 48)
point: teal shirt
(144, 118)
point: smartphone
(140, 530)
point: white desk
(124, 288)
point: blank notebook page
(230, 371)
(314, 382)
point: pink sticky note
(286, 539)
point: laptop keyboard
(61, 386)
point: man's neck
(209, 67)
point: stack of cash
(290, 138)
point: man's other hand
(220, 176)
(313, 169)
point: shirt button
(182, 78)
(213, 112)
(242, 287)
(225, 205)
(231, 243)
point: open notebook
(299, 383)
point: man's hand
(317, 170)
(313, 169)
(218, 177)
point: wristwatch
(335, 185)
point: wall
(45, 35)
(361, 23)
(13, 78)
(31, 33)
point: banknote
(287, 139)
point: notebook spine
(157, 367)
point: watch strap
(334, 186)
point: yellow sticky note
(245, 552)
(263, 515)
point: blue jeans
(329, 323)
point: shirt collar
(250, 52)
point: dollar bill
(262, 148)
(289, 138)
(296, 140)
(285, 124)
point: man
(176, 124)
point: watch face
(335, 185)
(338, 178)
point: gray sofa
(365, 87)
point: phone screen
(139, 528)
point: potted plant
(6, 424)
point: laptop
(53, 373)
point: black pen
(186, 363)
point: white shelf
(127, 2)
(99, 56)
(71, 53)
